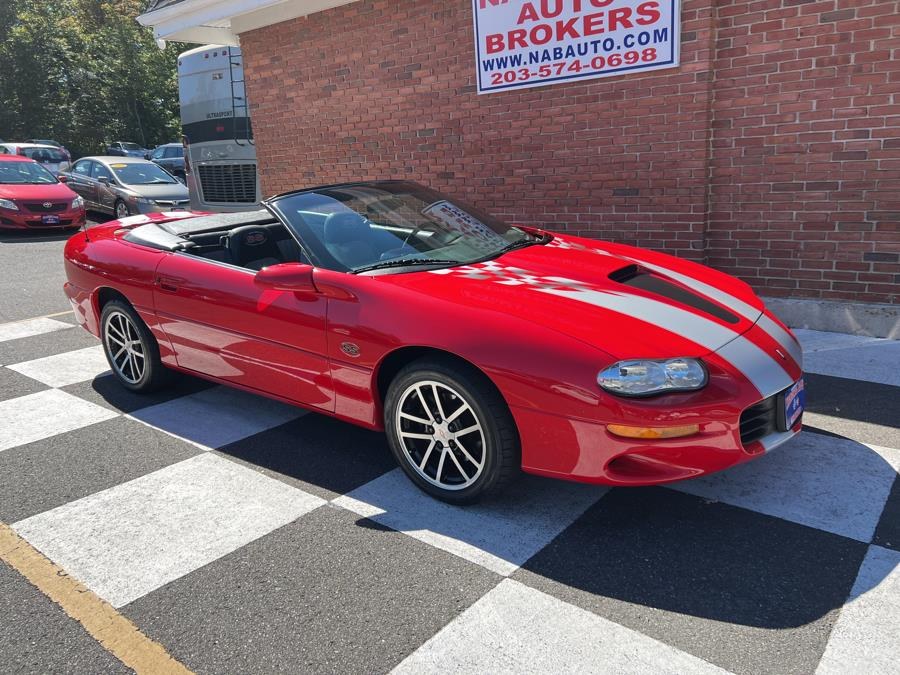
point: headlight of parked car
(144, 200)
(642, 377)
(7, 204)
(78, 202)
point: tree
(85, 73)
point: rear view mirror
(295, 277)
(104, 180)
(62, 179)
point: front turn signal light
(653, 432)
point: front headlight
(7, 204)
(144, 200)
(642, 377)
(78, 202)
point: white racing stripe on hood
(762, 370)
(691, 326)
(783, 338)
(776, 332)
(749, 312)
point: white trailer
(219, 152)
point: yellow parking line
(114, 632)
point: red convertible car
(480, 348)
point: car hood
(626, 301)
(46, 192)
(176, 192)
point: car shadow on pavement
(775, 543)
(31, 236)
(49, 234)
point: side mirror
(62, 179)
(295, 277)
(146, 155)
(104, 180)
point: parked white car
(51, 158)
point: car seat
(347, 237)
(253, 247)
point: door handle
(167, 284)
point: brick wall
(805, 179)
(772, 152)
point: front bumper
(162, 206)
(25, 220)
(587, 452)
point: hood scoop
(635, 276)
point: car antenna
(84, 227)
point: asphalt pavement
(32, 273)
(231, 533)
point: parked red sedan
(479, 347)
(32, 197)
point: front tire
(131, 350)
(451, 431)
(121, 209)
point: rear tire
(451, 431)
(131, 350)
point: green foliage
(85, 73)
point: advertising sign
(479, 234)
(531, 43)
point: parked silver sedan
(123, 186)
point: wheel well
(106, 294)
(394, 362)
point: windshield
(130, 146)
(357, 227)
(51, 155)
(24, 173)
(141, 174)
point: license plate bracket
(792, 404)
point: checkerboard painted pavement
(249, 536)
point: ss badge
(350, 349)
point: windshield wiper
(522, 243)
(404, 262)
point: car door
(81, 183)
(157, 156)
(106, 196)
(221, 323)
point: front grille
(45, 207)
(40, 223)
(228, 183)
(169, 202)
(759, 420)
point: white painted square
(29, 328)
(131, 539)
(67, 368)
(851, 356)
(45, 414)
(516, 629)
(866, 637)
(218, 416)
(500, 535)
(833, 484)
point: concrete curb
(858, 318)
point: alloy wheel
(441, 436)
(121, 210)
(127, 353)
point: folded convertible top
(216, 221)
(170, 235)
